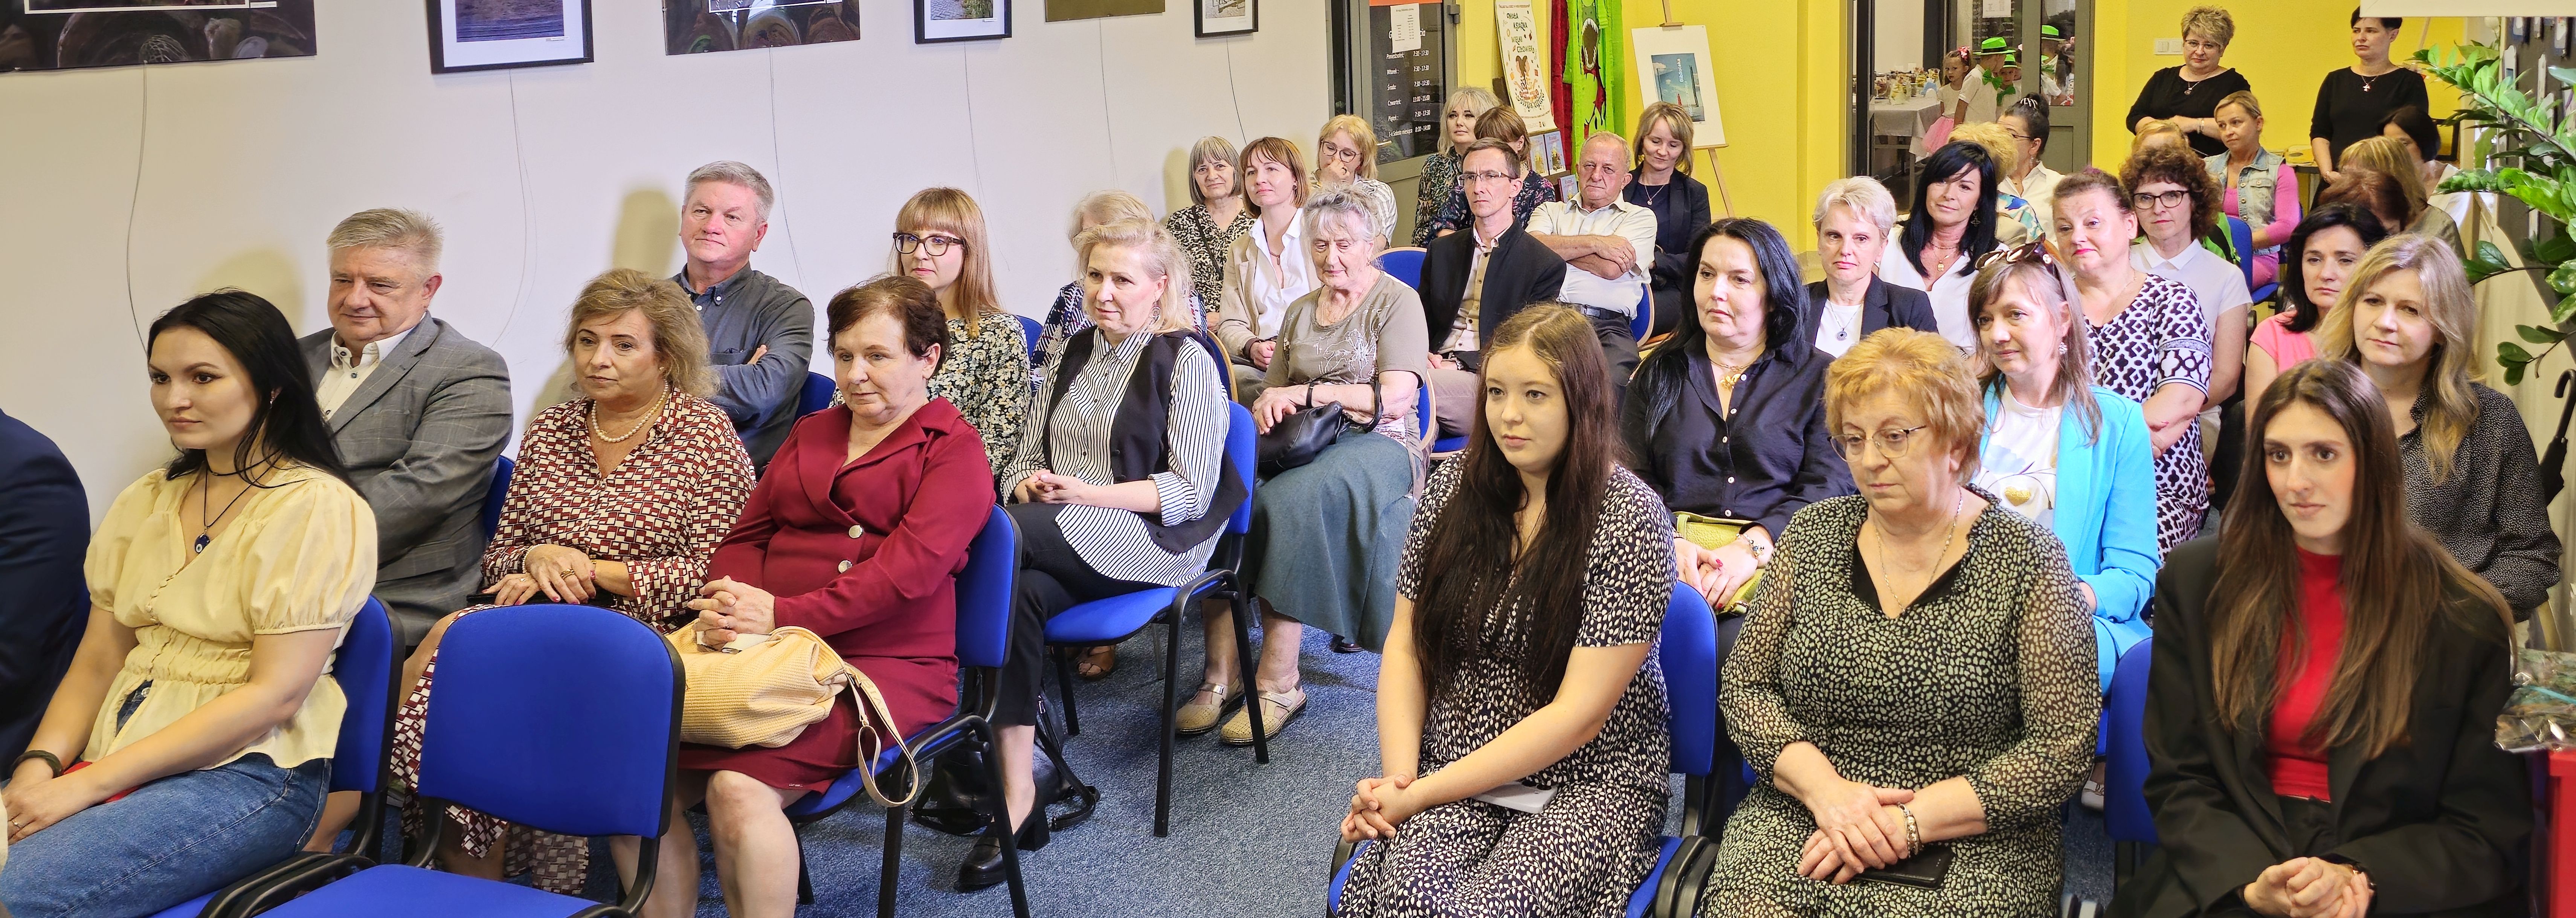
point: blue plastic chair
(1030, 329)
(816, 394)
(1109, 621)
(502, 469)
(1405, 263)
(984, 592)
(2241, 237)
(2131, 825)
(597, 756)
(364, 668)
(1642, 322)
(1687, 652)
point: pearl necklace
(646, 420)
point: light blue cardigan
(2106, 516)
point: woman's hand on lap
(34, 806)
(729, 608)
(1855, 819)
(514, 589)
(1275, 405)
(565, 574)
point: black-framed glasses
(1891, 443)
(2146, 200)
(1486, 176)
(907, 243)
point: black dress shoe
(1345, 645)
(983, 865)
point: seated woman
(1327, 536)
(2149, 340)
(2327, 680)
(2472, 480)
(1065, 319)
(643, 444)
(1949, 225)
(1206, 230)
(1726, 421)
(190, 742)
(1267, 269)
(1935, 646)
(1440, 169)
(2070, 456)
(2177, 209)
(1120, 482)
(2324, 249)
(1854, 218)
(1661, 182)
(2415, 130)
(1537, 532)
(939, 238)
(2258, 187)
(2158, 132)
(2019, 222)
(1503, 124)
(2388, 156)
(856, 534)
(1346, 157)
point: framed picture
(494, 34)
(1227, 17)
(702, 26)
(935, 21)
(69, 34)
(1673, 66)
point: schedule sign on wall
(1408, 77)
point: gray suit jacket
(419, 437)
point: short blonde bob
(679, 341)
(1362, 136)
(1162, 259)
(1922, 368)
(1675, 119)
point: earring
(2061, 349)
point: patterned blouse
(2162, 337)
(1536, 189)
(1439, 177)
(1204, 242)
(980, 375)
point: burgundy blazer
(865, 553)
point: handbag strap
(873, 718)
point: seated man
(760, 333)
(1608, 245)
(44, 534)
(418, 411)
(1473, 281)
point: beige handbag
(1711, 532)
(765, 689)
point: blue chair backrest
(365, 671)
(1030, 329)
(2240, 239)
(1687, 651)
(558, 717)
(1642, 322)
(1405, 263)
(502, 468)
(816, 395)
(1243, 445)
(2124, 799)
(984, 592)
(1422, 409)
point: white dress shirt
(1273, 289)
(349, 369)
(1629, 221)
(1949, 296)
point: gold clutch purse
(1712, 532)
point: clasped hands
(1378, 806)
(1717, 573)
(563, 574)
(1858, 827)
(2307, 887)
(729, 608)
(1045, 487)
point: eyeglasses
(2145, 201)
(1487, 176)
(907, 243)
(1891, 443)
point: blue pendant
(202, 541)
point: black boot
(983, 864)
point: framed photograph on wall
(935, 21)
(70, 34)
(494, 34)
(1673, 66)
(1227, 17)
(705, 26)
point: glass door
(1914, 61)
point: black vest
(1137, 449)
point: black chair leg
(2124, 859)
(1243, 608)
(997, 824)
(1171, 728)
(1064, 687)
(889, 873)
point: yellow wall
(2283, 47)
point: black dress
(1681, 211)
(2350, 105)
(2168, 95)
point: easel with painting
(1669, 39)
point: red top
(886, 598)
(2298, 769)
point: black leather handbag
(1305, 433)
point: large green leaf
(2554, 249)
(2510, 353)
(2539, 334)
(2513, 372)
(2564, 278)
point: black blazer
(1520, 271)
(2441, 823)
(1886, 304)
(44, 536)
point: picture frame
(471, 35)
(712, 26)
(1220, 18)
(1673, 66)
(38, 35)
(939, 21)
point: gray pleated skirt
(1327, 537)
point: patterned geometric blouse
(1439, 177)
(1204, 243)
(982, 374)
(2162, 337)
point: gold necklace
(1880, 530)
(640, 423)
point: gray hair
(1611, 136)
(1217, 149)
(734, 173)
(1477, 95)
(391, 228)
(1865, 196)
(1344, 202)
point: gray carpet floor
(1246, 839)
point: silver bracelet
(1913, 830)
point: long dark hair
(1943, 165)
(2305, 315)
(2394, 578)
(1665, 375)
(1471, 566)
(286, 427)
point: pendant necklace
(205, 502)
(640, 423)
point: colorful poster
(1524, 63)
(1592, 65)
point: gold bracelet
(1913, 830)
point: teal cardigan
(2106, 517)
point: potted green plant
(2534, 134)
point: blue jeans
(167, 842)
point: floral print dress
(1203, 242)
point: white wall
(1900, 36)
(545, 177)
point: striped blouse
(1071, 437)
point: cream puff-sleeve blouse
(300, 555)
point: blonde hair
(1107, 206)
(389, 228)
(1212, 149)
(1279, 150)
(2388, 156)
(1162, 259)
(1362, 136)
(2453, 408)
(1674, 118)
(2244, 99)
(2153, 128)
(1997, 142)
(1861, 195)
(954, 212)
(1926, 370)
(2210, 21)
(679, 340)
